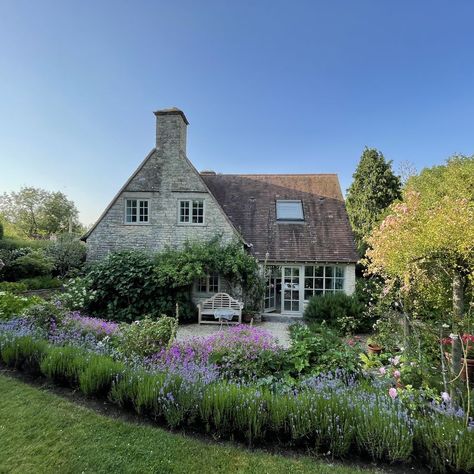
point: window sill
(137, 223)
(185, 224)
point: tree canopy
(431, 231)
(373, 189)
(36, 213)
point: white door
(290, 289)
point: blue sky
(268, 86)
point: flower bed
(185, 385)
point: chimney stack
(171, 127)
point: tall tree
(431, 233)
(39, 213)
(373, 189)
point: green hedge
(323, 422)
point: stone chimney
(171, 127)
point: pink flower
(445, 397)
(382, 371)
(397, 374)
(395, 360)
(393, 393)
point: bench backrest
(221, 300)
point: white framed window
(191, 211)
(322, 279)
(208, 284)
(287, 210)
(137, 211)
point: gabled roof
(325, 235)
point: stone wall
(165, 177)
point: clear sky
(268, 87)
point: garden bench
(221, 307)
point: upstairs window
(208, 284)
(191, 211)
(136, 211)
(289, 210)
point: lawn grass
(40, 432)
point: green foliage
(338, 310)
(129, 284)
(23, 353)
(34, 263)
(2, 233)
(13, 287)
(12, 243)
(68, 254)
(446, 444)
(125, 286)
(78, 293)
(373, 189)
(98, 375)
(44, 314)
(39, 213)
(316, 349)
(64, 364)
(12, 305)
(40, 283)
(148, 336)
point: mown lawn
(41, 432)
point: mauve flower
(382, 370)
(393, 393)
(397, 374)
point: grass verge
(41, 432)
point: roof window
(289, 210)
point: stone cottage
(296, 224)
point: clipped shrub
(32, 264)
(64, 364)
(13, 287)
(12, 305)
(24, 353)
(41, 283)
(44, 314)
(68, 254)
(148, 336)
(338, 310)
(98, 375)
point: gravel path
(278, 330)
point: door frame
(300, 288)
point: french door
(290, 289)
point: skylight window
(289, 211)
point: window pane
(339, 284)
(289, 210)
(202, 285)
(131, 210)
(309, 271)
(198, 211)
(340, 272)
(308, 282)
(213, 283)
(319, 271)
(318, 283)
(329, 284)
(184, 211)
(143, 216)
(329, 271)
(308, 294)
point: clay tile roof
(250, 203)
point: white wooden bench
(220, 301)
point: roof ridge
(274, 174)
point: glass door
(291, 289)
